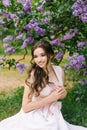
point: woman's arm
(29, 105)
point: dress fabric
(48, 117)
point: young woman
(41, 105)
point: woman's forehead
(39, 50)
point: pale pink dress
(48, 117)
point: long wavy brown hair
(40, 77)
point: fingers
(61, 91)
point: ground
(10, 79)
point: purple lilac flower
(7, 14)
(80, 58)
(84, 17)
(10, 49)
(6, 45)
(27, 6)
(27, 41)
(40, 8)
(14, 17)
(76, 62)
(57, 42)
(32, 24)
(6, 3)
(40, 31)
(19, 36)
(80, 45)
(21, 67)
(27, 27)
(8, 38)
(78, 66)
(45, 21)
(59, 55)
(20, 13)
(21, 1)
(80, 10)
(70, 34)
(4, 25)
(85, 73)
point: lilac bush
(62, 23)
(80, 9)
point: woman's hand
(58, 94)
(62, 92)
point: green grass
(10, 104)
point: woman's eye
(35, 56)
(43, 55)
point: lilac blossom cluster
(57, 42)
(6, 3)
(27, 41)
(80, 45)
(20, 35)
(10, 16)
(40, 8)
(21, 67)
(45, 20)
(59, 55)
(27, 6)
(9, 49)
(8, 38)
(76, 62)
(69, 35)
(34, 25)
(80, 9)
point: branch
(23, 55)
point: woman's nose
(39, 59)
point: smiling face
(40, 57)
